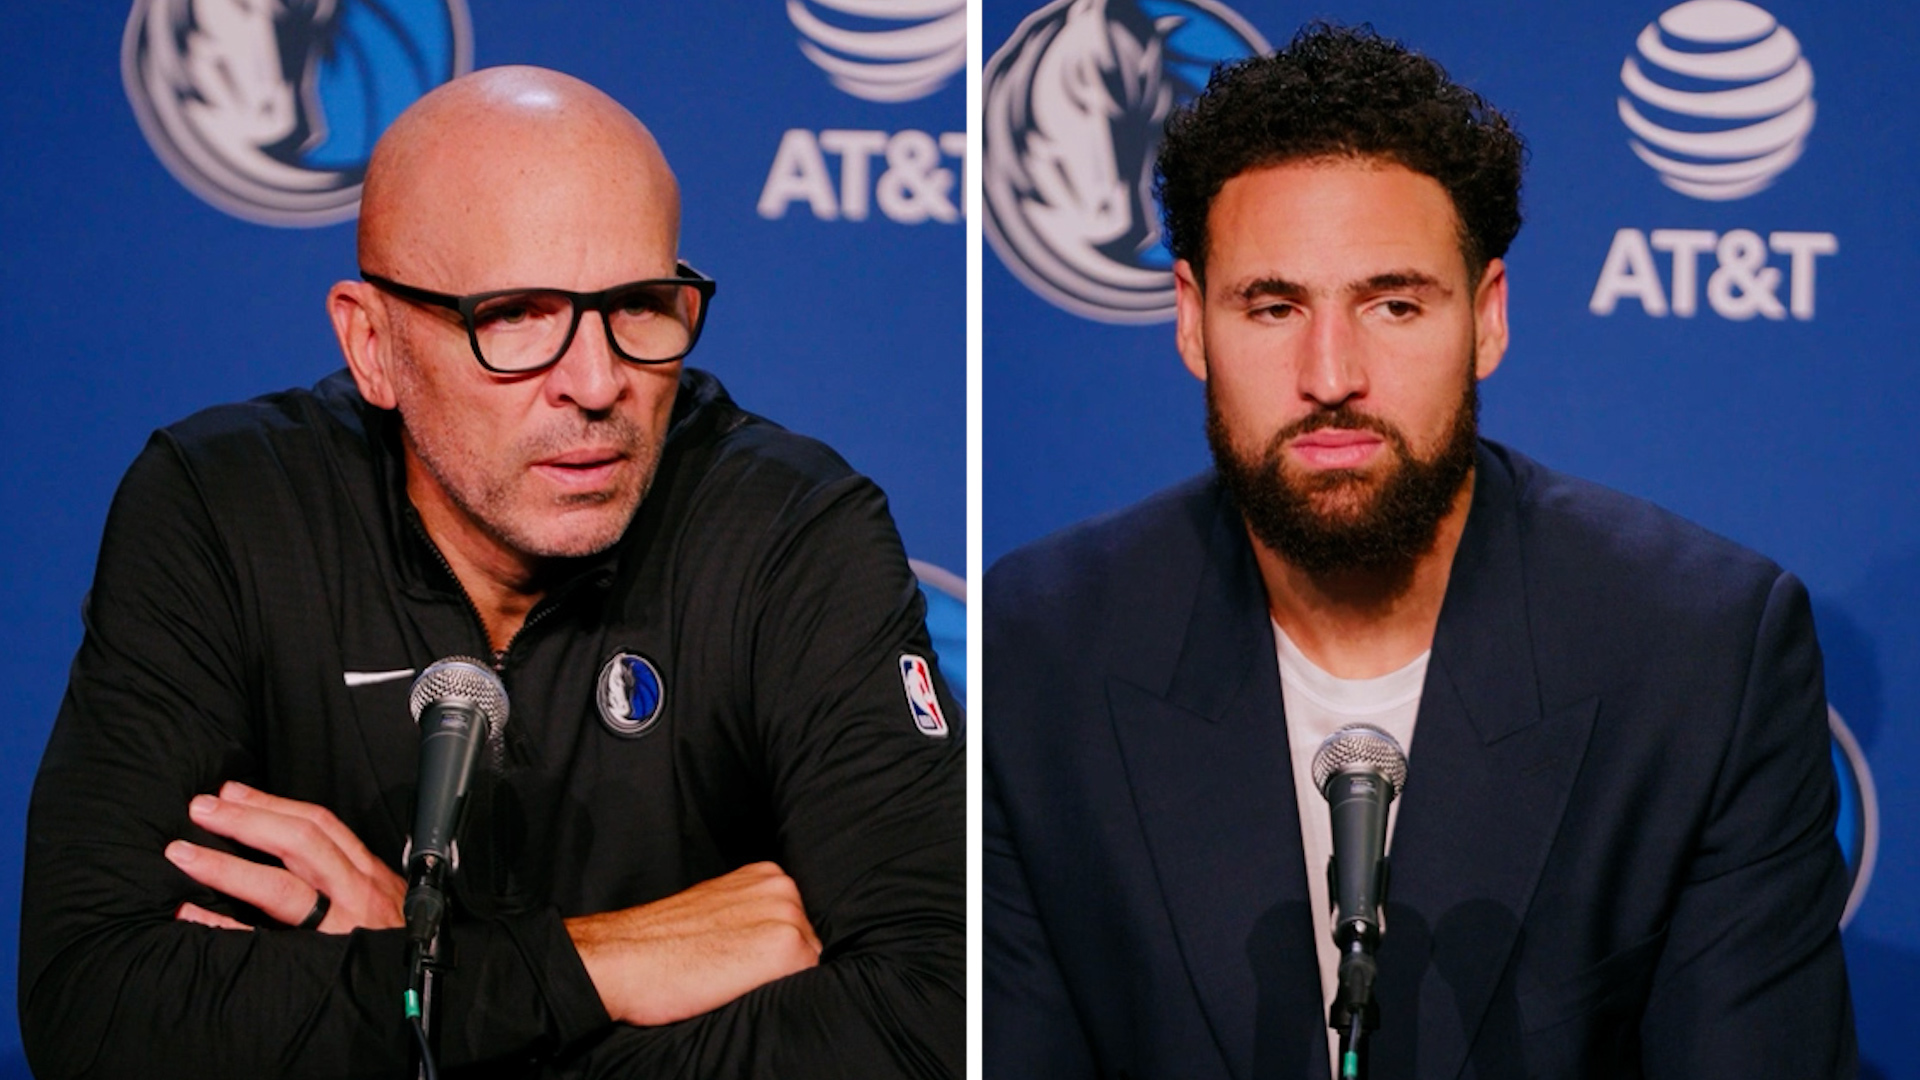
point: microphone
(1360, 769)
(460, 705)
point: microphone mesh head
(462, 679)
(1360, 746)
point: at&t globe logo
(883, 50)
(1075, 102)
(269, 109)
(1719, 99)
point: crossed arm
(119, 976)
(656, 963)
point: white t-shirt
(1319, 704)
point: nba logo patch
(921, 700)
(629, 694)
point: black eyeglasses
(515, 331)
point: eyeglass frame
(580, 302)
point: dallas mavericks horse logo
(629, 693)
(1858, 828)
(269, 109)
(1075, 102)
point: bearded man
(1614, 855)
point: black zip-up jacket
(263, 591)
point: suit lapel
(1205, 748)
(1489, 774)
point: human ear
(1490, 319)
(1189, 335)
(359, 324)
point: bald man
(712, 840)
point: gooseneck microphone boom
(459, 704)
(1360, 769)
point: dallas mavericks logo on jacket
(630, 694)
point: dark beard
(1385, 530)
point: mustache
(575, 431)
(1342, 418)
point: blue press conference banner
(177, 193)
(1706, 308)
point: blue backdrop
(1704, 312)
(818, 154)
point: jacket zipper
(499, 656)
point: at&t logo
(269, 109)
(902, 173)
(1740, 285)
(888, 51)
(883, 50)
(1719, 102)
(1730, 95)
(1075, 101)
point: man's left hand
(320, 856)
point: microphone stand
(1354, 1013)
(426, 903)
(423, 965)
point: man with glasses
(718, 837)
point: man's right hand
(318, 852)
(694, 951)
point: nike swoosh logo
(368, 678)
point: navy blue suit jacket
(1614, 856)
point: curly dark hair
(1339, 91)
